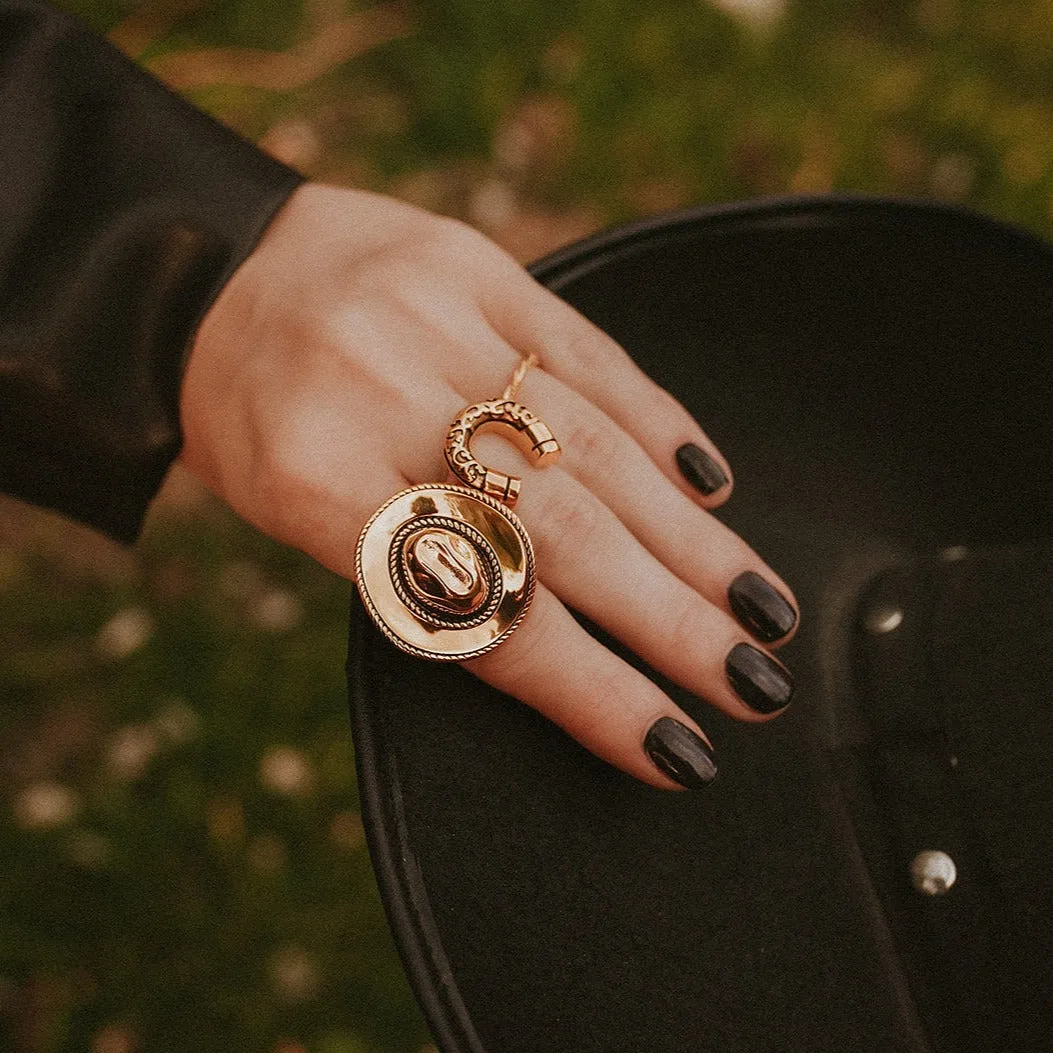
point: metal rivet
(933, 873)
(883, 619)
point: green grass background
(183, 868)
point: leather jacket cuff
(123, 212)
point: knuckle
(573, 516)
(683, 628)
(591, 352)
(336, 331)
(591, 349)
(448, 239)
(451, 231)
(590, 442)
(392, 267)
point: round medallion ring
(446, 572)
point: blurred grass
(184, 861)
(184, 866)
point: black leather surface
(958, 699)
(878, 374)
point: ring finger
(691, 542)
(595, 565)
(589, 558)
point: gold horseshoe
(515, 422)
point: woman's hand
(324, 379)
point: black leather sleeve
(123, 210)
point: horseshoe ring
(446, 570)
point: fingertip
(708, 475)
(763, 686)
(681, 754)
(769, 611)
(612, 709)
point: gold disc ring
(446, 571)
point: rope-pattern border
(397, 570)
(419, 652)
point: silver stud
(933, 873)
(883, 619)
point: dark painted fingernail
(699, 469)
(676, 751)
(760, 608)
(763, 684)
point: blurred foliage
(183, 861)
(645, 104)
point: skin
(324, 378)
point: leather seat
(879, 375)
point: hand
(323, 380)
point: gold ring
(446, 570)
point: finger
(698, 548)
(587, 557)
(554, 665)
(584, 357)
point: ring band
(446, 570)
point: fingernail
(699, 469)
(763, 684)
(760, 608)
(676, 751)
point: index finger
(585, 358)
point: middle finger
(691, 542)
(589, 558)
(594, 564)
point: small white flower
(494, 204)
(114, 1039)
(131, 749)
(294, 974)
(278, 611)
(124, 633)
(286, 771)
(177, 722)
(44, 805)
